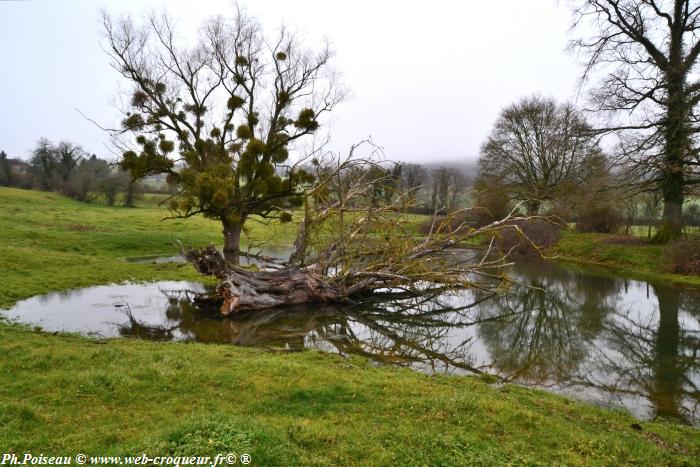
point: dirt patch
(84, 228)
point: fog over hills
(468, 167)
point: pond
(577, 331)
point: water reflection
(596, 337)
(652, 355)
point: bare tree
(43, 164)
(232, 106)
(448, 184)
(536, 148)
(412, 178)
(68, 156)
(6, 170)
(648, 53)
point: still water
(581, 332)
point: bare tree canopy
(448, 184)
(43, 164)
(413, 177)
(68, 157)
(647, 52)
(537, 148)
(231, 107)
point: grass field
(63, 395)
(49, 242)
(643, 231)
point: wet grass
(63, 395)
(640, 259)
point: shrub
(491, 202)
(683, 256)
(691, 215)
(601, 218)
(543, 233)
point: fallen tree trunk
(414, 267)
(240, 289)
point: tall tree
(647, 52)
(413, 177)
(42, 164)
(6, 172)
(536, 148)
(232, 105)
(68, 156)
(448, 184)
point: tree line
(234, 104)
(68, 169)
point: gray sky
(427, 78)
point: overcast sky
(427, 78)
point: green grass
(65, 394)
(645, 261)
(49, 242)
(643, 231)
(62, 394)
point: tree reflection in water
(599, 337)
(425, 332)
(553, 319)
(652, 354)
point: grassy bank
(638, 259)
(66, 395)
